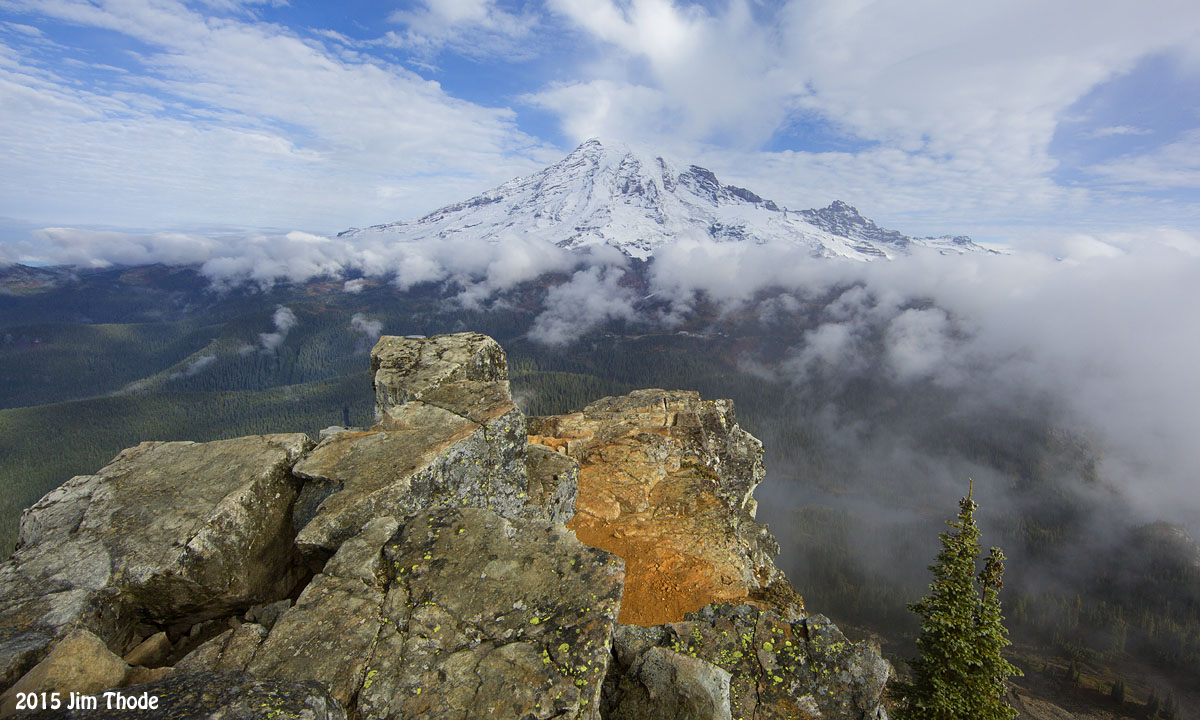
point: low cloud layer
(194, 367)
(1103, 324)
(1108, 335)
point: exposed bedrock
(455, 560)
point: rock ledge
(455, 560)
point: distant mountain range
(607, 193)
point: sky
(238, 135)
(1015, 122)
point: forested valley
(861, 472)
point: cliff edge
(455, 560)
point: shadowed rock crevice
(454, 560)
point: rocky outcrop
(159, 537)
(776, 668)
(454, 560)
(666, 481)
(448, 435)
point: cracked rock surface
(160, 534)
(666, 482)
(455, 560)
(448, 435)
(404, 369)
(459, 613)
(778, 668)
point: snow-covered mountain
(610, 193)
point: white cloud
(1172, 166)
(706, 73)
(919, 346)
(470, 27)
(284, 320)
(370, 329)
(607, 108)
(1116, 130)
(194, 367)
(592, 296)
(1107, 333)
(100, 248)
(238, 122)
(830, 348)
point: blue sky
(1011, 122)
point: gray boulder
(553, 483)
(778, 668)
(161, 535)
(406, 369)
(459, 613)
(448, 435)
(665, 685)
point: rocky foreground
(456, 560)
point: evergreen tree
(991, 638)
(960, 672)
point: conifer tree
(960, 672)
(992, 638)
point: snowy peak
(608, 193)
(844, 221)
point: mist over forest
(1060, 384)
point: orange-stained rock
(666, 482)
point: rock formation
(455, 560)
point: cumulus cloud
(354, 286)
(706, 73)
(920, 121)
(284, 320)
(592, 296)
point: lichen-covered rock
(162, 535)
(449, 435)
(211, 696)
(329, 634)
(150, 652)
(779, 669)
(490, 617)
(662, 683)
(421, 456)
(553, 483)
(459, 613)
(666, 481)
(441, 581)
(405, 369)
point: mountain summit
(607, 193)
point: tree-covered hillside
(860, 466)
